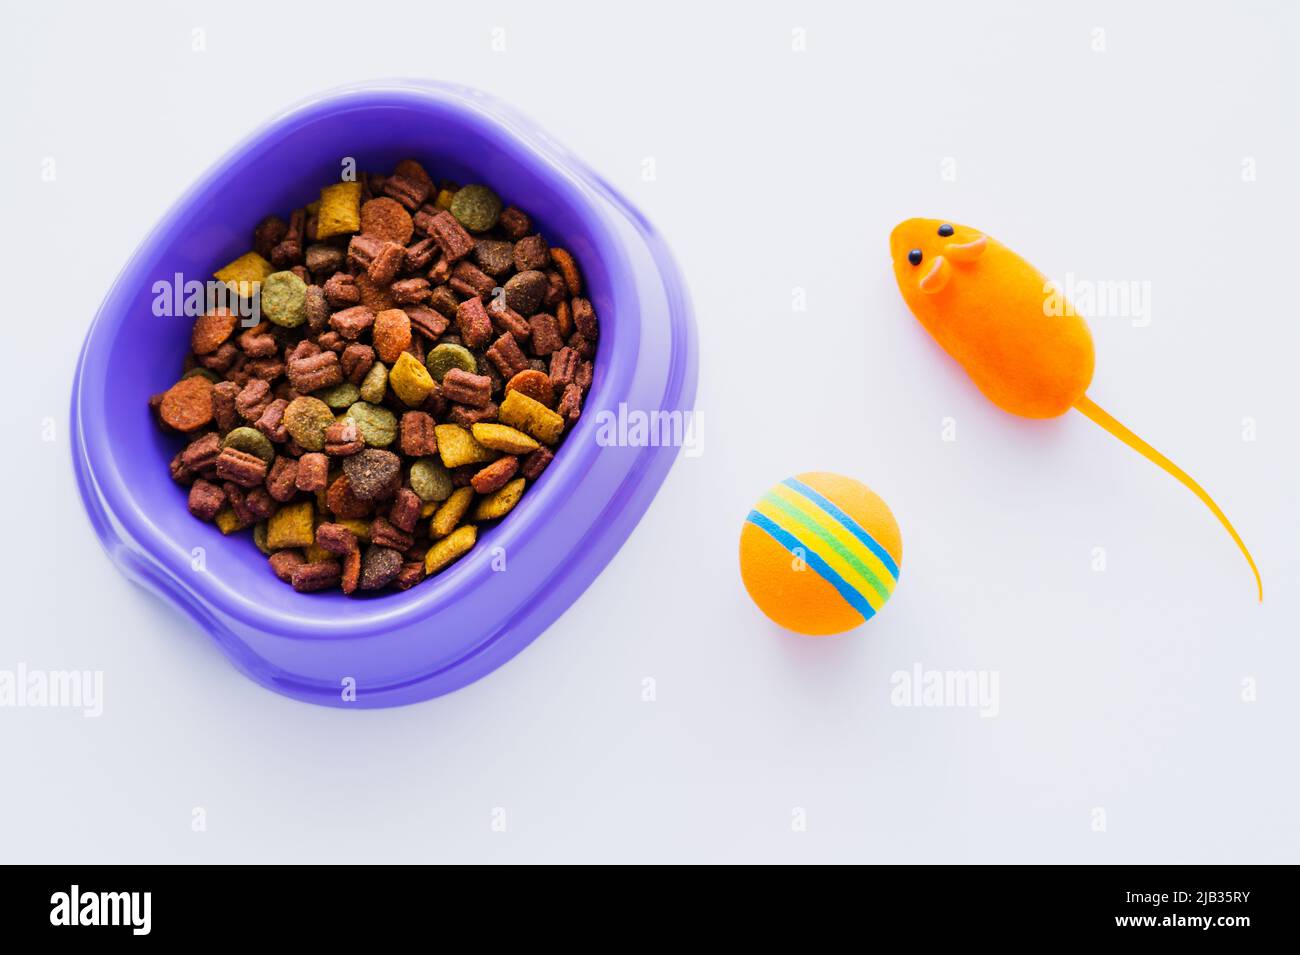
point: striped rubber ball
(820, 553)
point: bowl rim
(159, 556)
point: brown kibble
(283, 563)
(427, 322)
(313, 472)
(546, 334)
(387, 219)
(385, 534)
(418, 438)
(536, 463)
(187, 405)
(282, 479)
(469, 280)
(351, 571)
(584, 319)
(570, 405)
(514, 222)
(205, 500)
(352, 322)
(373, 474)
(240, 467)
(335, 538)
(496, 475)
(568, 269)
(211, 330)
(320, 575)
(379, 567)
(223, 404)
(463, 388)
(412, 573)
(532, 254)
(507, 356)
(473, 322)
(356, 360)
(200, 455)
(341, 290)
(451, 236)
(392, 334)
(405, 512)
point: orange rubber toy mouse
(1000, 319)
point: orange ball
(820, 553)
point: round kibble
(284, 299)
(187, 405)
(375, 384)
(211, 329)
(250, 441)
(207, 373)
(379, 567)
(306, 419)
(476, 207)
(524, 292)
(386, 219)
(340, 396)
(535, 384)
(373, 474)
(443, 358)
(430, 480)
(378, 425)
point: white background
(775, 169)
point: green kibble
(202, 372)
(259, 538)
(443, 358)
(431, 480)
(476, 207)
(306, 419)
(375, 384)
(340, 396)
(377, 425)
(250, 441)
(284, 299)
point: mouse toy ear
(937, 277)
(966, 251)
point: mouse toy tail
(1090, 408)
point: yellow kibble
(427, 508)
(444, 199)
(313, 207)
(530, 415)
(293, 525)
(227, 521)
(410, 380)
(317, 553)
(245, 274)
(500, 503)
(453, 509)
(456, 446)
(500, 437)
(340, 209)
(358, 527)
(454, 545)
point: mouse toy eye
(945, 230)
(914, 256)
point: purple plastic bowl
(449, 631)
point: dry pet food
(421, 354)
